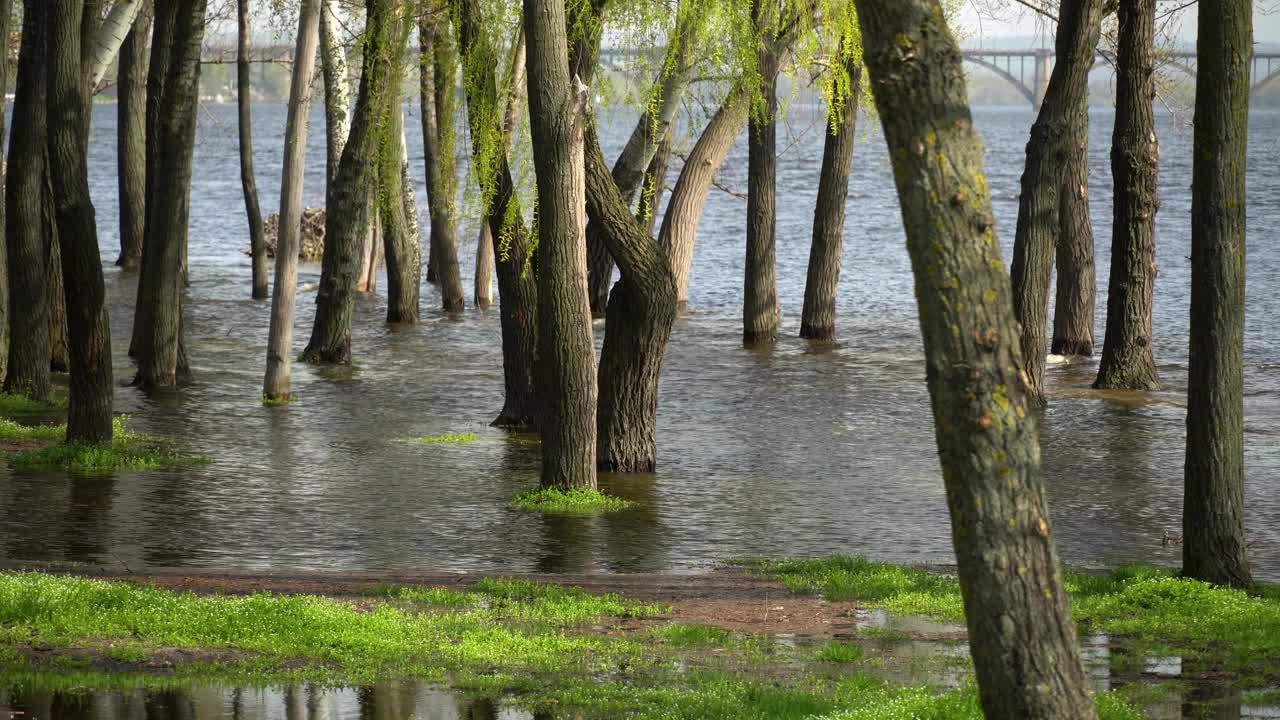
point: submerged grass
(128, 450)
(499, 637)
(445, 439)
(1236, 630)
(575, 501)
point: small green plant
(575, 501)
(445, 439)
(838, 652)
(21, 406)
(17, 432)
(684, 635)
(271, 401)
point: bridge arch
(1028, 93)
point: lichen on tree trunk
(1024, 646)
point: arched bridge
(1029, 70)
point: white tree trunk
(106, 44)
(280, 338)
(337, 86)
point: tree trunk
(818, 319)
(54, 287)
(257, 239)
(89, 408)
(131, 130)
(25, 231)
(1213, 540)
(1079, 25)
(170, 147)
(109, 36)
(400, 238)
(1077, 282)
(1127, 360)
(515, 96)
(6, 16)
(337, 90)
(1023, 642)
(438, 101)
(566, 358)
(513, 249)
(275, 384)
(655, 124)
(371, 249)
(760, 286)
(350, 205)
(654, 185)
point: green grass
(128, 451)
(838, 652)
(1146, 606)
(576, 501)
(445, 439)
(271, 402)
(683, 635)
(21, 406)
(531, 602)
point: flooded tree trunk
(515, 96)
(275, 385)
(337, 89)
(689, 196)
(89, 407)
(818, 318)
(760, 287)
(1077, 281)
(371, 250)
(244, 100)
(25, 218)
(1079, 25)
(1024, 645)
(161, 352)
(517, 290)
(349, 202)
(566, 359)
(401, 245)
(655, 124)
(1127, 360)
(438, 101)
(1213, 546)
(131, 142)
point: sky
(976, 25)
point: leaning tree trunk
(162, 362)
(684, 209)
(400, 237)
(89, 406)
(257, 238)
(1023, 642)
(275, 384)
(1077, 279)
(25, 231)
(6, 15)
(760, 287)
(1079, 25)
(566, 358)
(438, 101)
(349, 202)
(513, 248)
(818, 319)
(1213, 539)
(654, 124)
(1127, 360)
(131, 143)
(109, 34)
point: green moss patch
(576, 501)
(39, 448)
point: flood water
(801, 449)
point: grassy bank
(550, 646)
(34, 448)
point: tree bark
(1023, 642)
(654, 185)
(818, 318)
(515, 96)
(760, 285)
(438, 101)
(89, 407)
(1077, 282)
(275, 385)
(6, 17)
(1079, 25)
(337, 89)
(655, 124)
(131, 129)
(566, 358)
(513, 248)
(1127, 360)
(684, 209)
(25, 217)
(54, 287)
(110, 35)
(350, 205)
(1213, 539)
(257, 239)
(400, 238)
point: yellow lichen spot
(1020, 412)
(1001, 398)
(1004, 471)
(1022, 569)
(1048, 595)
(931, 138)
(1000, 456)
(1013, 523)
(995, 264)
(989, 296)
